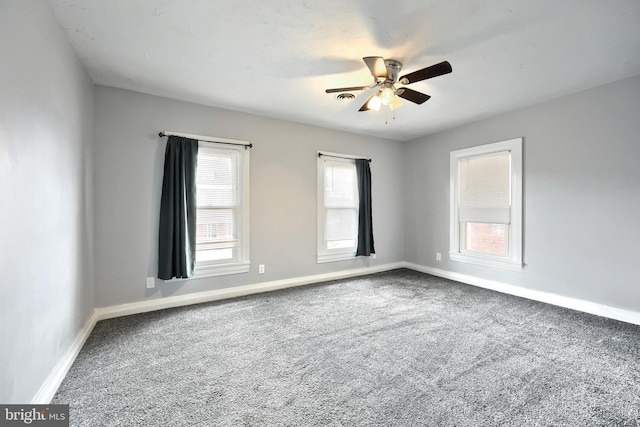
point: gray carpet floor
(396, 348)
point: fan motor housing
(393, 69)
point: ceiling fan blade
(347, 89)
(426, 73)
(366, 106)
(412, 95)
(376, 66)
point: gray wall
(129, 159)
(581, 194)
(46, 239)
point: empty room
(312, 213)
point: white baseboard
(233, 292)
(620, 314)
(53, 381)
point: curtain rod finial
(161, 134)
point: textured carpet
(396, 348)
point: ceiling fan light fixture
(397, 102)
(386, 96)
(374, 103)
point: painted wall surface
(46, 237)
(129, 163)
(581, 194)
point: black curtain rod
(348, 158)
(206, 138)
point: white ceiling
(275, 58)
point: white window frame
(242, 263)
(324, 254)
(513, 259)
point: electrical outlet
(261, 269)
(151, 282)
(438, 256)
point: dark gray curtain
(177, 236)
(365, 223)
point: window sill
(503, 264)
(216, 270)
(335, 257)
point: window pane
(215, 225)
(215, 254)
(485, 238)
(485, 188)
(216, 179)
(341, 228)
(340, 186)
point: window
(222, 203)
(486, 205)
(337, 208)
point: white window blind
(485, 188)
(218, 203)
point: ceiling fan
(385, 74)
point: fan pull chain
(386, 116)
